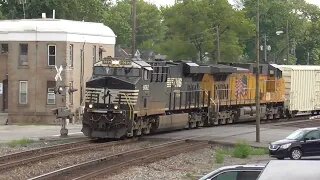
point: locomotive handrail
(130, 105)
(213, 101)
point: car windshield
(296, 135)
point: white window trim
(20, 82)
(71, 55)
(51, 92)
(94, 54)
(55, 54)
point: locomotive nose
(112, 82)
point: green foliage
(219, 157)
(188, 30)
(149, 28)
(190, 176)
(21, 142)
(258, 151)
(196, 22)
(242, 150)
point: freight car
(127, 98)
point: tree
(275, 15)
(149, 27)
(87, 10)
(196, 22)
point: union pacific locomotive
(126, 98)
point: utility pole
(218, 44)
(257, 75)
(288, 42)
(308, 59)
(265, 48)
(134, 16)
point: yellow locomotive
(233, 94)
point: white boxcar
(302, 87)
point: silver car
(236, 172)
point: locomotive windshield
(116, 71)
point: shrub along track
(36, 155)
(115, 162)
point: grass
(219, 157)
(241, 150)
(190, 176)
(20, 142)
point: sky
(171, 2)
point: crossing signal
(58, 90)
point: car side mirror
(306, 139)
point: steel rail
(40, 150)
(112, 161)
(59, 152)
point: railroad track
(37, 155)
(301, 121)
(113, 163)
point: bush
(242, 150)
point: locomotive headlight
(90, 106)
(115, 106)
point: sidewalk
(3, 118)
(36, 132)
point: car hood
(283, 141)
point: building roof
(55, 30)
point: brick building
(29, 51)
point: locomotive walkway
(228, 134)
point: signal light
(58, 90)
(62, 90)
(72, 90)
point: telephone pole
(265, 48)
(288, 42)
(218, 44)
(134, 18)
(257, 75)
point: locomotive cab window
(117, 71)
(145, 74)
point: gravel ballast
(185, 166)
(35, 169)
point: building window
(71, 55)
(71, 94)
(51, 96)
(94, 53)
(23, 57)
(23, 92)
(100, 53)
(4, 48)
(51, 55)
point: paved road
(231, 134)
(222, 134)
